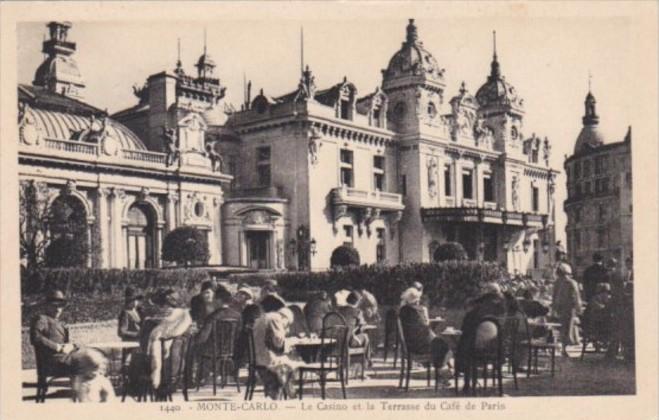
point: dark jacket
(533, 309)
(47, 334)
(199, 309)
(354, 318)
(417, 333)
(223, 313)
(314, 311)
(593, 275)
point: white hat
(492, 287)
(564, 269)
(247, 291)
(288, 314)
(341, 297)
(411, 295)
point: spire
(179, 65)
(205, 39)
(590, 113)
(495, 69)
(412, 35)
(205, 64)
(301, 50)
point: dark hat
(272, 303)
(206, 285)
(353, 298)
(171, 297)
(56, 297)
(130, 294)
(418, 285)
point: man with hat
(592, 276)
(49, 335)
(566, 304)
(130, 319)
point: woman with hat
(566, 305)
(130, 320)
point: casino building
(287, 179)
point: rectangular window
(376, 117)
(468, 184)
(448, 191)
(263, 166)
(586, 169)
(378, 172)
(347, 159)
(577, 170)
(380, 250)
(348, 233)
(345, 110)
(598, 165)
(628, 179)
(488, 188)
(535, 197)
(403, 185)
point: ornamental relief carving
(29, 132)
(431, 166)
(195, 208)
(259, 217)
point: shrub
(344, 256)
(450, 251)
(185, 245)
(66, 251)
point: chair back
(251, 348)
(173, 366)
(334, 328)
(401, 337)
(224, 336)
(391, 322)
(510, 334)
(487, 340)
(299, 324)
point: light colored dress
(567, 306)
(175, 324)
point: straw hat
(411, 295)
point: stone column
(118, 243)
(457, 181)
(441, 179)
(172, 199)
(102, 195)
(479, 191)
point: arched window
(141, 245)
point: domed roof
(589, 138)
(497, 92)
(464, 98)
(59, 67)
(66, 126)
(205, 60)
(413, 59)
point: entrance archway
(141, 237)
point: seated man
(355, 320)
(223, 312)
(58, 356)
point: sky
(548, 60)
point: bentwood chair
(408, 356)
(221, 352)
(391, 334)
(333, 354)
(483, 348)
(46, 374)
(174, 371)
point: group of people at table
(270, 321)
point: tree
(66, 251)
(34, 216)
(186, 245)
(450, 251)
(344, 256)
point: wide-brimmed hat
(55, 297)
(411, 295)
(491, 287)
(288, 314)
(247, 291)
(564, 269)
(272, 303)
(130, 294)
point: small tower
(205, 64)
(590, 136)
(59, 72)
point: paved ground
(592, 376)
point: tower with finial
(205, 64)
(414, 84)
(590, 136)
(59, 72)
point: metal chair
(535, 345)
(221, 352)
(333, 354)
(174, 372)
(483, 355)
(299, 325)
(391, 328)
(408, 357)
(510, 342)
(45, 375)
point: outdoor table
(308, 347)
(368, 327)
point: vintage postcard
(287, 209)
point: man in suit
(49, 335)
(592, 276)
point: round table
(308, 347)
(114, 345)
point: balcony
(483, 215)
(353, 197)
(268, 192)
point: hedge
(97, 294)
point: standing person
(566, 305)
(615, 279)
(369, 306)
(316, 308)
(594, 274)
(203, 304)
(130, 319)
(275, 368)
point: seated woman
(173, 321)
(203, 304)
(419, 337)
(530, 304)
(277, 369)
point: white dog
(91, 384)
